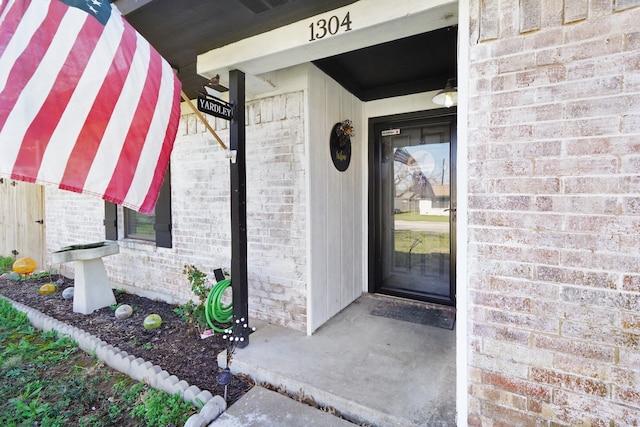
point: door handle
(453, 215)
(39, 221)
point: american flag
(85, 102)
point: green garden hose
(215, 310)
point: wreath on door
(340, 144)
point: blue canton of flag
(100, 9)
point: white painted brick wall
(276, 228)
(70, 219)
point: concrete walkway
(373, 370)
(261, 407)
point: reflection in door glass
(417, 231)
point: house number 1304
(324, 27)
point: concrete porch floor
(373, 370)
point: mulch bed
(173, 346)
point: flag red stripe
(50, 56)
(11, 21)
(41, 129)
(2, 7)
(165, 155)
(86, 146)
(135, 140)
(26, 65)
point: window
(155, 228)
(139, 226)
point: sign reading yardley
(215, 107)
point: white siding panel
(336, 202)
(335, 181)
(317, 177)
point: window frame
(163, 220)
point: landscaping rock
(124, 312)
(152, 321)
(68, 293)
(10, 276)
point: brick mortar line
(135, 367)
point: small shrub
(40, 275)
(194, 313)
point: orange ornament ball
(24, 266)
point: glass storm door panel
(416, 210)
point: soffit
(182, 30)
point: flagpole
(207, 125)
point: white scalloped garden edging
(135, 367)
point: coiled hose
(215, 310)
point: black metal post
(237, 143)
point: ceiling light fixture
(447, 96)
(213, 87)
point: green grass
(414, 248)
(420, 248)
(5, 264)
(423, 242)
(46, 380)
(415, 216)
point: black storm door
(413, 207)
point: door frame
(373, 265)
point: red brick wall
(554, 213)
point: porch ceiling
(180, 30)
(413, 64)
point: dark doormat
(418, 314)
